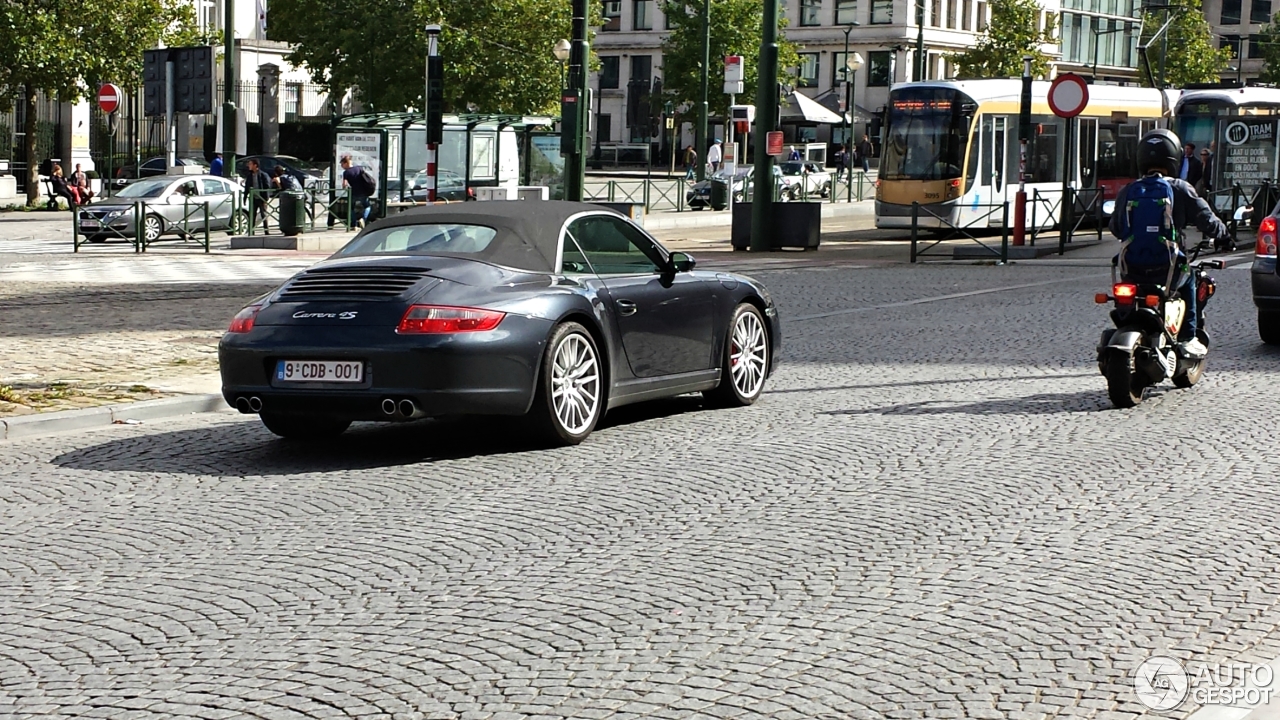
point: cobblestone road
(931, 514)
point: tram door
(1087, 163)
(994, 167)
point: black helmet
(1159, 149)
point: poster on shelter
(1246, 152)
(365, 150)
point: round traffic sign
(109, 97)
(1068, 95)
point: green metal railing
(130, 224)
(982, 222)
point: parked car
(170, 205)
(152, 167)
(554, 311)
(804, 180)
(699, 196)
(449, 186)
(306, 175)
(1266, 282)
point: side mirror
(681, 262)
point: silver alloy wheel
(575, 384)
(748, 354)
(151, 228)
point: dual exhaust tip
(249, 405)
(402, 409)
(405, 408)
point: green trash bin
(293, 212)
(719, 193)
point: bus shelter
(478, 150)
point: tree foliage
(1268, 41)
(65, 49)
(735, 30)
(497, 53)
(1192, 55)
(1013, 33)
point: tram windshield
(927, 135)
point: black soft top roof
(528, 231)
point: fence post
(206, 227)
(647, 185)
(915, 229)
(1004, 234)
(1064, 219)
(139, 240)
(75, 230)
(1097, 208)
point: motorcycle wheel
(1124, 383)
(1195, 370)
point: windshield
(928, 132)
(792, 168)
(144, 189)
(434, 239)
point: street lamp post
(700, 131)
(229, 124)
(847, 29)
(852, 63)
(575, 164)
(561, 52)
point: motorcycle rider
(1160, 154)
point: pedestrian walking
(215, 167)
(795, 155)
(840, 152)
(257, 185)
(714, 156)
(865, 151)
(362, 185)
(690, 162)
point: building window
(1255, 46)
(292, 101)
(1230, 12)
(879, 68)
(935, 13)
(966, 15)
(881, 12)
(846, 12)
(807, 72)
(641, 67)
(642, 15)
(608, 72)
(810, 12)
(1232, 43)
(982, 16)
(1260, 12)
(952, 6)
(612, 15)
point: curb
(26, 426)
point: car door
(217, 195)
(664, 318)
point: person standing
(840, 152)
(1206, 172)
(215, 167)
(362, 185)
(714, 155)
(795, 154)
(1190, 168)
(257, 185)
(865, 151)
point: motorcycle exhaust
(255, 404)
(388, 407)
(242, 404)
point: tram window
(1086, 150)
(971, 168)
(988, 127)
(1117, 151)
(997, 147)
(1044, 150)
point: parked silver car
(171, 204)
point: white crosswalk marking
(156, 269)
(33, 246)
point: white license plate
(90, 224)
(320, 371)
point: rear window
(435, 239)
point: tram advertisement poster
(1247, 152)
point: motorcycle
(1142, 351)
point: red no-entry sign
(1068, 95)
(109, 97)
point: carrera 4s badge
(344, 315)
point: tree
(1191, 56)
(497, 53)
(1268, 41)
(1013, 33)
(735, 30)
(65, 50)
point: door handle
(626, 307)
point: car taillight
(1125, 292)
(243, 321)
(1267, 237)
(444, 319)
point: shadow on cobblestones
(916, 383)
(245, 448)
(1040, 404)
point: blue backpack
(1149, 235)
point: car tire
(744, 362)
(570, 397)
(1269, 327)
(152, 228)
(826, 190)
(239, 223)
(304, 427)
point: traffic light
(435, 100)
(153, 82)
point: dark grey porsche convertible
(556, 311)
